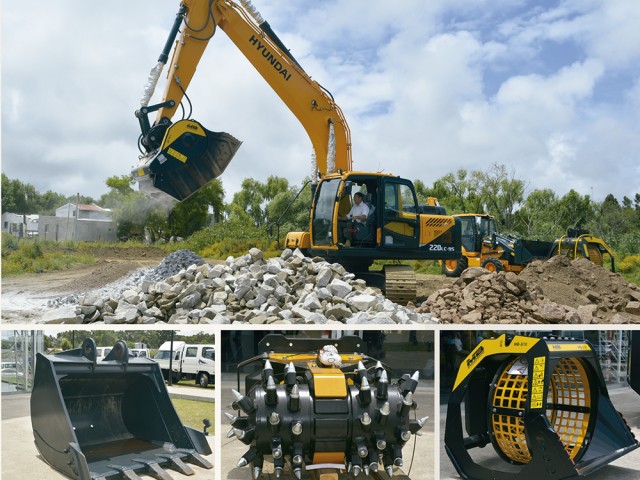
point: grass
(192, 412)
(34, 256)
(21, 256)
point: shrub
(629, 263)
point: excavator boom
(182, 157)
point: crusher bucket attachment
(315, 408)
(109, 420)
(189, 157)
(543, 405)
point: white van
(194, 362)
(102, 352)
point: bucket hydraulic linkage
(543, 405)
(313, 408)
(111, 419)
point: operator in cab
(355, 220)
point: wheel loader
(541, 404)
(318, 405)
(483, 246)
(179, 157)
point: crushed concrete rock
(290, 289)
(558, 290)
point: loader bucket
(109, 420)
(189, 157)
(541, 403)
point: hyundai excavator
(179, 157)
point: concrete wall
(60, 229)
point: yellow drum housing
(543, 405)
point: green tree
(500, 193)
(49, 201)
(536, 217)
(574, 210)
(17, 197)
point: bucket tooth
(373, 461)
(248, 457)
(274, 422)
(382, 392)
(267, 371)
(245, 436)
(176, 463)
(383, 413)
(389, 470)
(290, 375)
(405, 406)
(296, 428)
(256, 472)
(365, 421)
(364, 394)
(154, 469)
(278, 465)
(197, 459)
(257, 464)
(410, 384)
(126, 472)
(242, 403)
(293, 403)
(237, 422)
(355, 471)
(272, 394)
(416, 425)
(362, 371)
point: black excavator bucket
(109, 420)
(189, 157)
(543, 405)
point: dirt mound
(556, 291)
(581, 282)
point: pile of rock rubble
(480, 296)
(290, 289)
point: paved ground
(20, 458)
(625, 400)
(418, 466)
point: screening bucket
(189, 157)
(541, 403)
(111, 419)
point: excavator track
(400, 283)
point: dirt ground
(25, 296)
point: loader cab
(476, 228)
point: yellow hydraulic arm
(310, 103)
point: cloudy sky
(549, 88)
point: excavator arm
(181, 157)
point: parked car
(191, 361)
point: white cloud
(427, 88)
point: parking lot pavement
(418, 460)
(20, 458)
(627, 467)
